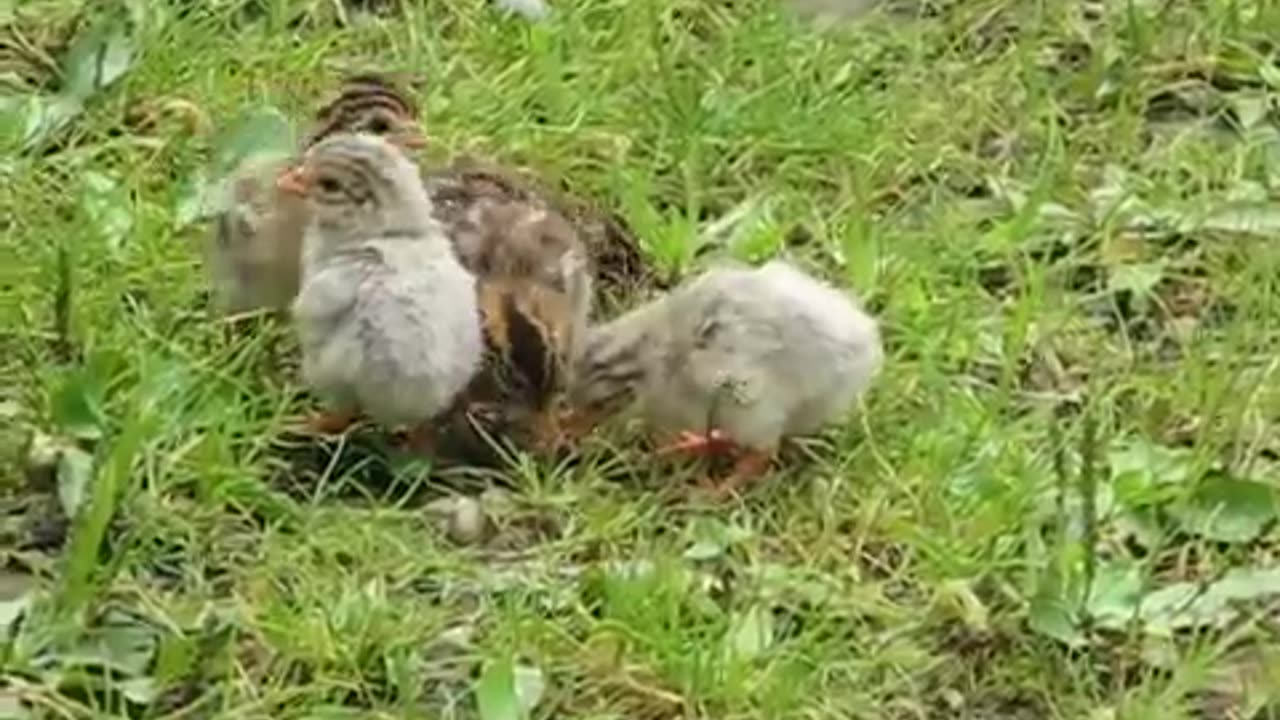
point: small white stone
(468, 523)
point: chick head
(369, 103)
(357, 185)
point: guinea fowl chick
(535, 296)
(466, 183)
(253, 253)
(387, 317)
(513, 243)
(733, 361)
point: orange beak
(410, 137)
(293, 180)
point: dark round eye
(329, 185)
(378, 126)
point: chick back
(791, 352)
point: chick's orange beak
(292, 180)
(410, 137)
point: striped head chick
(253, 252)
(369, 103)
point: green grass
(1058, 501)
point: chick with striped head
(253, 253)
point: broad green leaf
(967, 605)
(532, 10)
(81, 558)
(259, 131)
(108, 207)
(1168, 608)
(199, 198)
(1141, 471)
(124, 646)
(15, 596)
(1187, 605)
(27, 122)
(1052, 617)
(97, 58)
(140, 690)
(1250, 108)
(496, 697)
(75, 472)
(76, 406)
(530, 687)
(1138, 278)
(1261, 219)
(751, 633)
(1242, 584)
(1115, 595)
(704, 549)
(1228, 509)
(11, 708)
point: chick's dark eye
(329, 185)
(378, 126)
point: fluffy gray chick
(747, 356)
(387, 317)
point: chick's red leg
(420, 439)
(748, 468)
(710, 444)
(331, 422)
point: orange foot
(748, 468)
(419, 440)
(711, 444)
(573, 424)
(330, 422)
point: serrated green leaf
(75, 471)
(496, 697)
(1228, 509)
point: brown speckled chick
(534, 286)
(534, 274)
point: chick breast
(393, 329)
